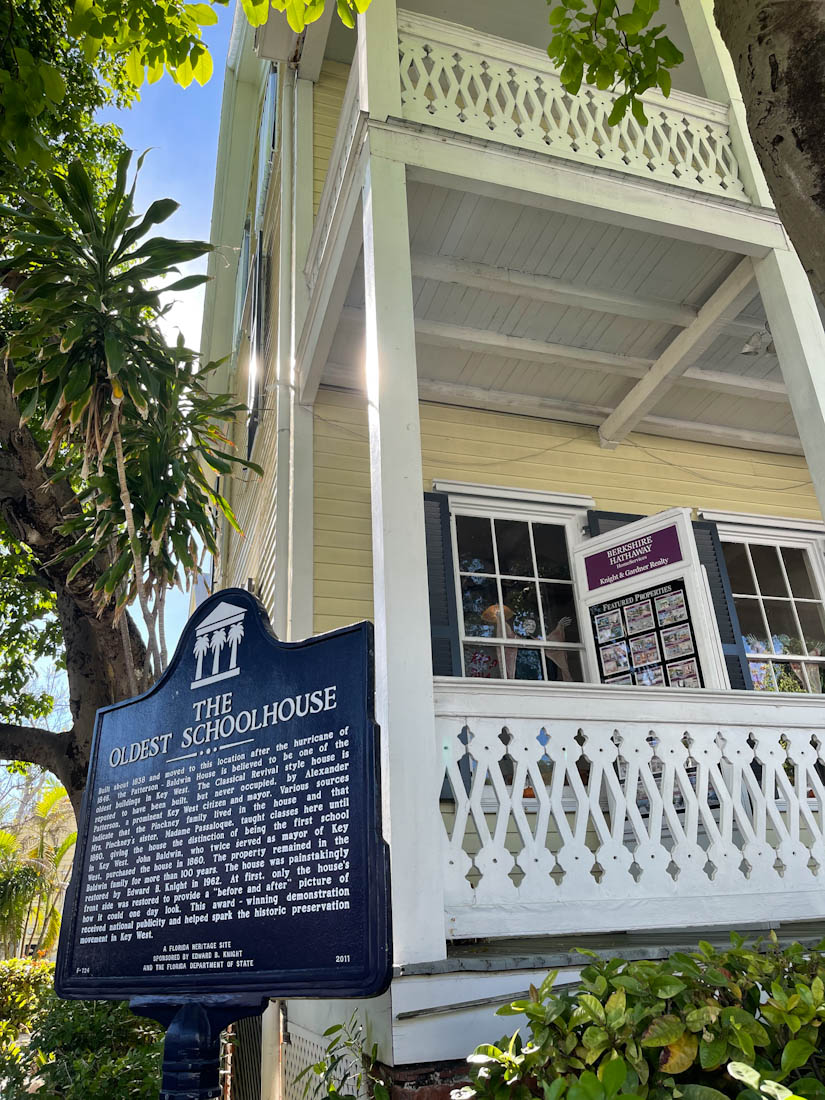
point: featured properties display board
(647, 638)
(649, 608)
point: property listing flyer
(647, 639)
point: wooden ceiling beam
(725, 303)
(575, 412)
(542, 288)
(487, 342)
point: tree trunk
(33, 507)
(778, 51)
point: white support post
(301, 458)
(719, 78)
(280, 611)
(378, 73)
(797, 331)
(404, 684)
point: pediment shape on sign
(223, 615)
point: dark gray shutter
(443, 621)
(709, 548)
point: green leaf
(638, 112)
(202, 68)
(633, 22)
(669, 53)
(666, 986)
(113, 350)
(616, 1008)
(256, 11)
(612, 1075)
(702, 1092)
(27, 410)
(53, 83)
(796, 1053)
(204, 14)
(663, 1031)
(134, 68)
(593, 1008)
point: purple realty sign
(629, 559)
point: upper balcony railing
(488, 88)
(583, 808)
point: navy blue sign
(230, 834)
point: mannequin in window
(497, 614)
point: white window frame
(781, 531)
(567, 510)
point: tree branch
(32, 745)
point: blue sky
(181, 128)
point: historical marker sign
(230, 838)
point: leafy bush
(87, 1050)
(24, 988)
(669, 1029)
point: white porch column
(280, 611)
(404, 688)
(719, 78)
(301, 457)
(797, 331)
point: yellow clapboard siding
(326, 108)
(646, 474)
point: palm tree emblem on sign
(216, 644)
(221, 631)
(201, 649)
(234, 637)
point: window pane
(551, 551)
(564, 664)
(788, 677)
(475, 544)
(816, 678)
(559, 609)
(522, 664)
(739, 569)
(798, 567)
(762, 676)
(768, 571)
(813, 627)
(782, 626)
(515, 558)
(754, 636)
(479, 597)
(482, 661)
(521, 610)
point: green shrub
(668, 1029)
(25, 988)
(87, 1050)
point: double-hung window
(778, 585)
(517, 610)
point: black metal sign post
(230, 846)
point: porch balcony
(491, 89)
(586, 809)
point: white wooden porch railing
(489, 88)
(581, 808)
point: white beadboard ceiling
(589, 255)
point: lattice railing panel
(562, 813)
(496, 90)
